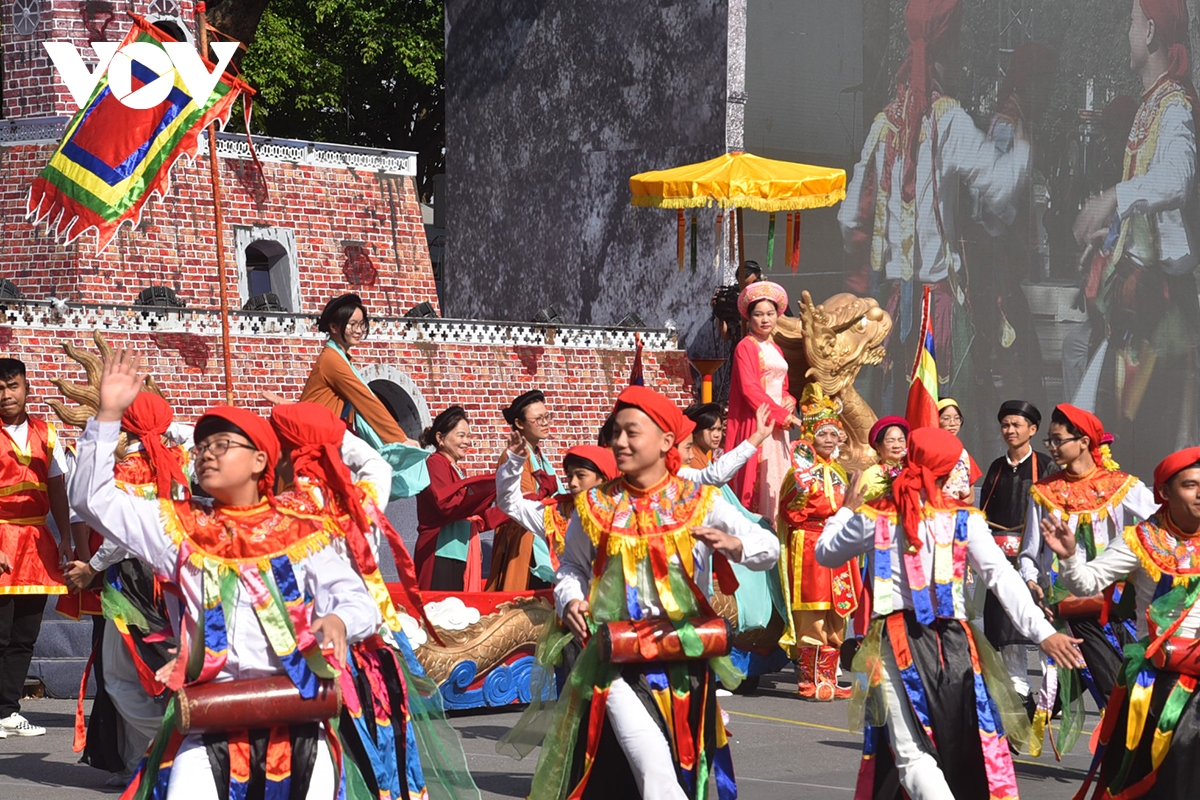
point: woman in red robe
(453, 510)
(760, 376)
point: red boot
(827, 666)
(806, 672)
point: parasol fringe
(752, 203)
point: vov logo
(163, 62)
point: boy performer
(263, 596)
(339, 475)
(1149, 740)
(1005, 494)
(1097, 501)
(932, 681)
(138, 639)
(639, 716)
(31, 473)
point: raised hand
(856, 492)
(764, 426)
(517, 445)
(273, 398)
(120, 383)
(1058, 537)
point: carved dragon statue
(828, 344)
(87, 395)
(489, 641)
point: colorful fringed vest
(249, 549)
(944, 596)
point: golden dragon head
(842, 335)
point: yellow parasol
(741, 180)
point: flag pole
(215, 174)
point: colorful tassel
(719, 245)
(794, 264)
(682, 226)
(787, 240)
(771, 242)
(695, 238)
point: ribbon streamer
(787, 240)
(771, 243)
(695, 238)
(795, 262)
(682, 225)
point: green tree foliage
(361, 72)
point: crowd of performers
(249, 647)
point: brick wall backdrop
(580, 383)
(355, 231)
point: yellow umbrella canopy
(740, 180)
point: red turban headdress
(932, 454)
(932, 27)
(148, 418)
(1170, 19)
(602, 457)
(313, 437)
(1089, 424)
(257, 430)
(665, 414)
(1171, 466)
(1028, 61)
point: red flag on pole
(922, 411)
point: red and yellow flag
(112, 158)
(922, 410)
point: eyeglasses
(218, 448)
(356, 326)
(542, 419)
(1054, 444)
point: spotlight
(421, 311)
(159, 296)
(548, 316)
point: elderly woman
(821, 598)
(889, 439)
(760, 375)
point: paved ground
(783, 749)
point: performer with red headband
(265, 600)
(900, 216)
(339, 475)
(585, 466)
(1142, 284)
(138, 638)
(1097, 501)
(1150, 734)
(932, 677)
(639, 712)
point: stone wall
(551, 107)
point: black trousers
(20, 623)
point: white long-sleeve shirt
(760, 550)
(1084, 578)
(848, 535)
(1036, 560)
(529, 514)
(135, 525)
(1165, 191)
(721, 471)
(965, 156)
